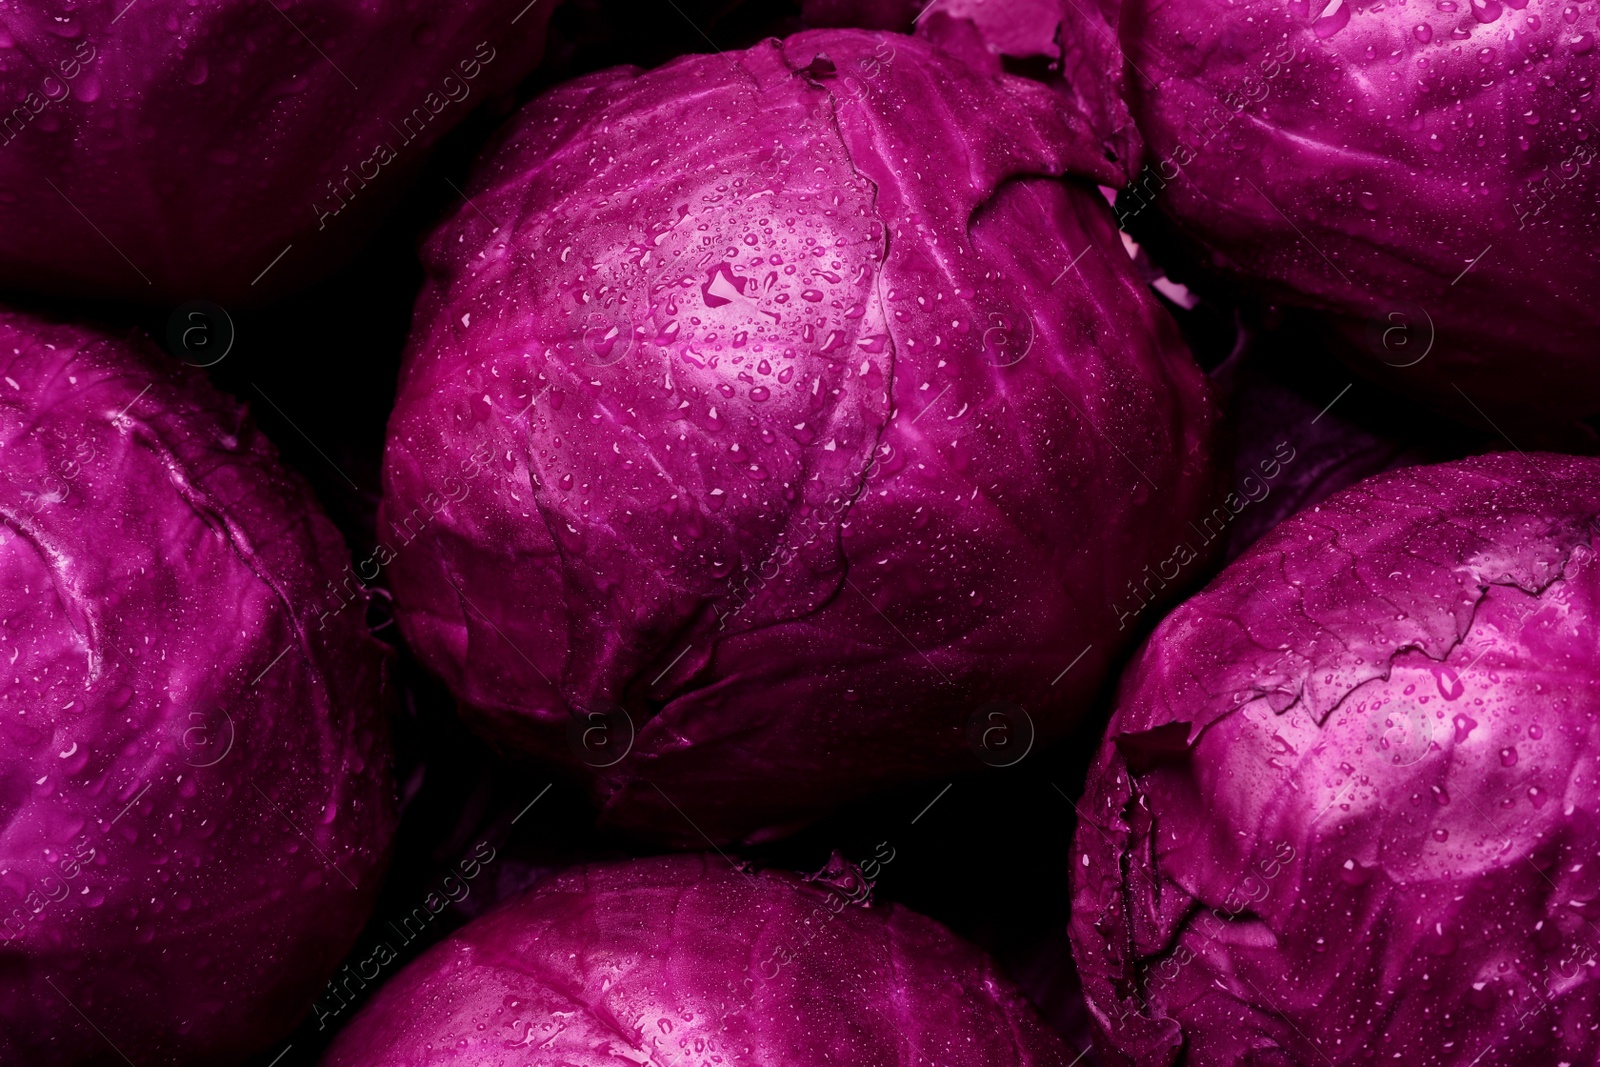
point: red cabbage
(775, 413)
(1426, 174)
(1348, 807)
(163, 150)
(685, 960)
(194, 773)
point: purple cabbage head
(770, 415)
(1348, 807)
(1426, 174)
(194, 775)
(686, 960)
(165, 150)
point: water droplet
(1423, 32)
(1441, 834)
(1582, 43)
(1465, 724)
(1354, 874)
(1486, 11)
(1536, 796)
(1334, 18)
(760, 393)
(199, 71)
(1535, 731)
(1368, 201)
(1508, 756)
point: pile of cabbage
(1170, 426)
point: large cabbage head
(1426, 173)
(775, 413)
(685, 960)
(195, 802)
(166, 150)
(1348, 808)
